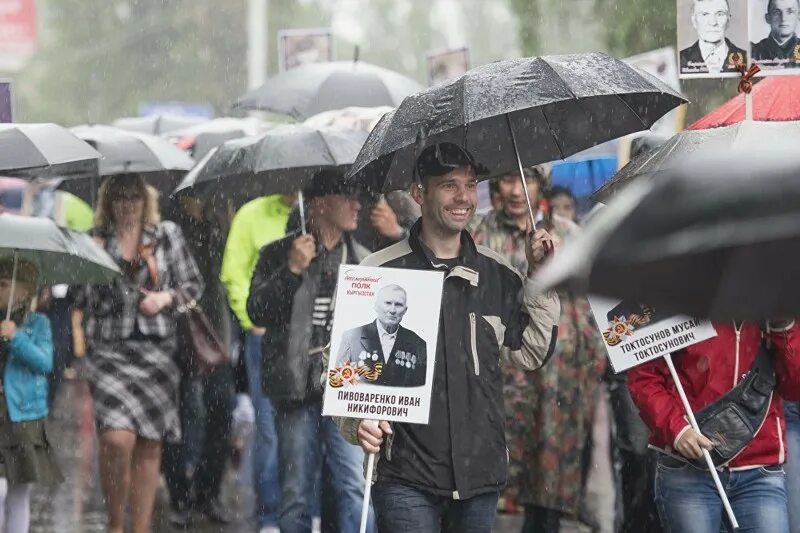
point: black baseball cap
(327, 182)
(441, 158)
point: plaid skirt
(134, 384)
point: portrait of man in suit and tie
(713, 52)
(396, 354)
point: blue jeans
(404, 509)
(792, 466)
(310, 444)
(265, 440)
(688, 501)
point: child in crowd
(26, 359)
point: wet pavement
(76, 505)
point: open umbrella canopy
(316, 87)
(44, 151)
(349, 118)
(555, 105)
(202, 138)
(281, 161)
(717, 237)
(741, 138)
(776, 98)
(62, 255)
(126, 152)
(157, 124)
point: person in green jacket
(256, 224)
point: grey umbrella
(157, 124)
(126, 152)
(44, 151)
(739, 138)
(281, 161)
(517, 112)
(316, 87)
(717, 237)
(61, 255)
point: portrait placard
(634, 334)
(775, 46)
(383, 344)
(300, 46)
(444, 65)
(712, 37)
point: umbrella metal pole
(301, 206)
(693, 422)
(367, 490)
(521, 173)
(13, 286)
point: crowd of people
(510, 426)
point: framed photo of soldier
(445, 65)
(300, 46)
(712, 37)
(774, 45)
(383, 344)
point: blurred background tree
(100, 59)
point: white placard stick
(693, 422)
(367, 491)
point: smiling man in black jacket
(446, 476)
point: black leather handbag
(732, 421)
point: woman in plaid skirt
(132, 344)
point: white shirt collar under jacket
(387, 340)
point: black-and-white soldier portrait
(781, 47)
(396, 354)
(713, 52)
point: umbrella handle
(13, 286)
(521, 173)
(301, 206)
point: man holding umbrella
(291, 295)
(450, 472)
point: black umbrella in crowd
(513, 113)
(738, 138)
(716, 237)
(281, 161)
(44, 151)
(125, 152)
(316, 87)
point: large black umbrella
(281, 161)
(738, 138)
(717, 237)
(546, 107)
(316, 87)
(124, 152)
(43, 151)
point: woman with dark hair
(132, 343)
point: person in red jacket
(754, 479)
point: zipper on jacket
(738, 329)
(781, 450)
(474, 343)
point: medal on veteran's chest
(405, 359)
